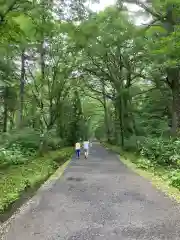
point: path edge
(35, 200)
(159, 183)
(162, 185)
(55, 176)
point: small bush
(132, 143)
(175, 179)
(27, 139)
(11, 156)
(50, 141)
(17, 178)
(65, 153)
(144, 163)
(20, 146)
(161, 151)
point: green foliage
(11, 156)
(174, 178)
(28, 139)
(144, 163)
(50, 70)
(52, 141)
(65, 153)
(20, 147)
(16, 179)
(161, 151)
(131, 144)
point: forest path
(97, 198)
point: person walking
(86, 149)
(78, 149)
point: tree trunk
(42, 66)
(121, 112)
(11, 121)
(120, 108)
(21, 88)
(175, 107)
(128, 114)
(173, 73)
(5, 113)
(42, 61)
(33, 114)
(106, 113)
(117, 131)
(174, 124)
(132, 118)
(173, 80)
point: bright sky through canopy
(105, 3)
(102, 4)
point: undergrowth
(16, 178)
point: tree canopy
(77, 73)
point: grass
(16, 179)
(158, 175)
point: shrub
(16, 179)
(27, 152)
(175, 179)
(65, 153)
(21, 145)
(27, 139)
(144, 163)
(161, 151)
(132, 143)
(52, 141)
(12, 156)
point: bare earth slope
(98, 198)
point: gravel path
(98, 198)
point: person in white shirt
(86, 148)
(78, 149)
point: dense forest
(68, 74)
